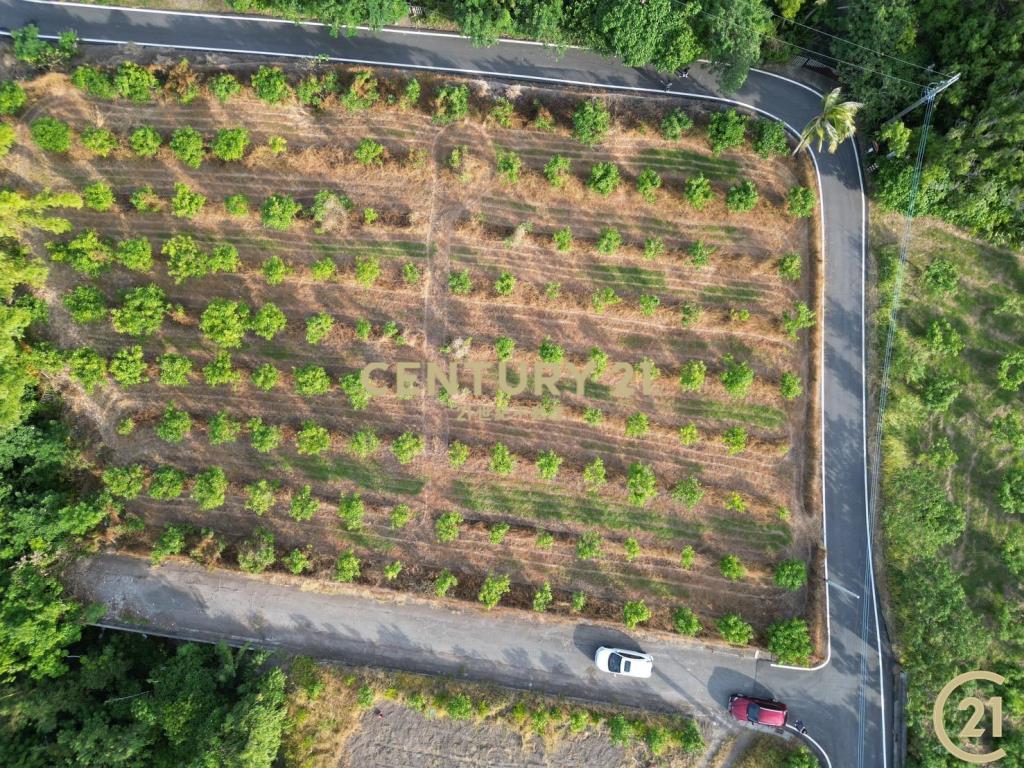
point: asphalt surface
(846, 704)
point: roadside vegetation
(954, 540)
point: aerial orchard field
(241, 242)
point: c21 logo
(972, 730)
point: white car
(625, 663)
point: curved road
(846, 703)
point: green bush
(99, 141)
(400, 516)
(358, 396)
(770, 139)
(141, 312)
(265, 377)
(209, 488)
(364, 443)
(590, 122)
(274, 270)
(741, 197)
(675, 124)
(170, 542)
(410, 273)
(267, 322)
(135, 254)
(134, 82)
(263, 438)
(609, 241)
(98, 196)
(12, 98)
(444, 583)
(604, 178)
(692, 375)
(230, 144)
(219, 371)
(790, 386)
(493, 589)
(648, 305)
(789, 266)
(277, 145)
(6, 139)
(145, 141)
(85, 304)
(256, 553)
(735, 439)
(1010, 373)
(790, 574)
(726, 130)
(224, 322)
(237, 205)
(688, 492)
(648, 182)
(312, 439)
(1011, 491)
(318, 327)
(186, 204)
(497, 532)
(641, 484)
(543, 598)
(732, 568)
(222, 429)
(270, 85)
(634, 613)
(297, 562)
(174, 370)
(509, 165)
(86, 252)
(314, 90)
(451, 104)
(799, 318)
(458, 453)
(279, 212)
(167, 483)
(734, 630)
(187, 145)
(594, 475)
(737, 376)
(548, 464)
(145, 200)
(698, 191)
(51, 134)
(124, 482)
(447, 525)
(557, 171)
(362, 92)
(260, 497)
(392, 570)
(311, 380)
(369, 152)
(303, 505)
(224, 86)
(790, 641)
(174, 425)
(688, 434)
(686, 622)
(800, 202)
(637, 425)
(407, 447)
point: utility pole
(928, 98)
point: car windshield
(614, 662)
(753, 712)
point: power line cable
(823, 55)
(930, 70)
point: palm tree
(835, 123)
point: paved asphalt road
(846, 704)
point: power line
(824, 55)
(930, 70)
